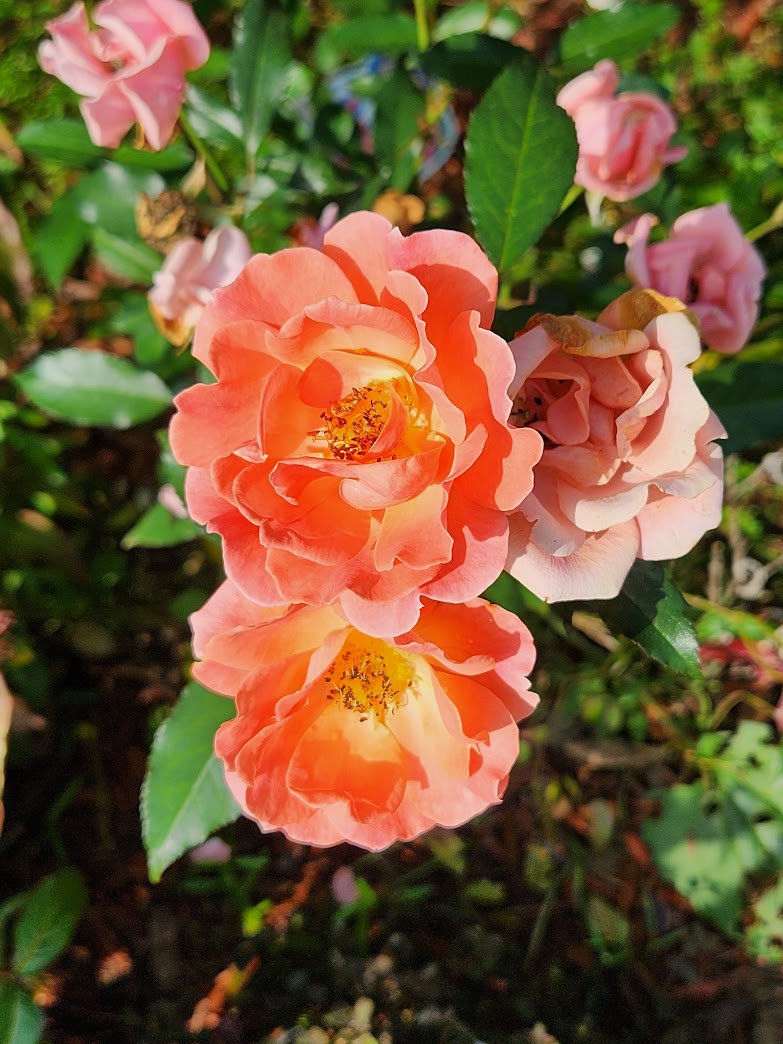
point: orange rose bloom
(355, 446)
(344, 737)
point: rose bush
(623, 138)
(708, 263)
(630, 468)
(131, 68)
(356, 444)
(192, 270)
(344, 737)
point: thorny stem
(199, 145)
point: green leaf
(521, 157)
(258, 65)
(130, 258)
(397, 134)
(748, 398)
(708, 840)
(93, 388)
(48, 920)
(133, 318)
(68, 142)
(474, 17)
(214, 122)
(59, 239)
(470, 60)
(106, 197)
(693, 847)
(764, 937)
(393, 34)
(21, 1020)
(157, 527)
(185, 797)
(651, 611)
(64, 141)
(619, 34)
(175, 157)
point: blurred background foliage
(629, 889)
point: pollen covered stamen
(352, 424)
(371, 677)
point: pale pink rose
(708, 263)
(192, 270)
(131, 69)
(630, 469)
(623, 138)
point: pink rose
(131, 68)
(340, 736)
(623, 138)
(355, 444)
(629, 468)
(706, 262)
(192, 270)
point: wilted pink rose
(131, 69)
(629, 469)
(708, 263)
(192, 270)
(340, 736)
(623, 138)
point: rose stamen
(352, 424)
(371, 678)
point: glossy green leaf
(106, 197)
(157, 527)
(68, 142)
(397, 132)
(21, 1020)
(652, 612)
(521, 157)
(93, 388)
(128, 257)
(470, 60)
(748, 398)
(64, 141)
(620, 34)
(47, 921)
(185, 797)
(258, 64)
(213, 121)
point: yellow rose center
(369, 677)
(353, 423)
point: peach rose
(708, 263)
(630, 469)
(131, 69)
(623, 138)
(192, 270)
(344, 737)
(356, 444)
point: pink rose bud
(630, 467)
(623, 138)
(706, 262)
(192, 270)
(131, 69)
